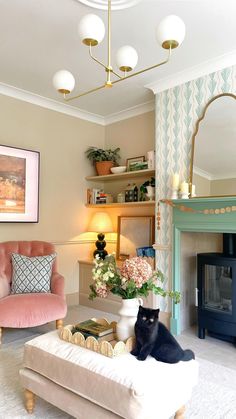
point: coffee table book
(93, 327)
(110, 349)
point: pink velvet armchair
(28, 310)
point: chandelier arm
(145, 69)
(95, 59)
(117, 75)
(84, 93)
(123, 78)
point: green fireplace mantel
(223, 221)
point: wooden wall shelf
(123, 204)
(120, 176)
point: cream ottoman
(88, 385)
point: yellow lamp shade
(100, 223)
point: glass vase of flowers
(132, 280)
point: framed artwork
(134, 232)
(133, 162)
(19, 185)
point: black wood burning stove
(217, 291)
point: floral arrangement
(134, 278)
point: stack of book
(99, 331)
(98, 196)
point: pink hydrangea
(101, 290)
(136, 269)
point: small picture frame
(132, 163)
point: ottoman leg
(59, 324)
(29, 401)
(0, 335)
(180, 413)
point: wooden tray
(110, 349)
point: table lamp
(100, 223)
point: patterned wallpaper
(177, 111)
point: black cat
(153, 338)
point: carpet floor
(213, 398)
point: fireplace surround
(213, 215)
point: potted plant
(103, 159)
(148, 188)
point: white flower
(111, 275)
(106, 276)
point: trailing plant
(150, 182)
(95, 154)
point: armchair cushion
(28, 310)
(31, 274)
(4, 286)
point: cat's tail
(188, 355)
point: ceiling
(39, 37)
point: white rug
(213, 398)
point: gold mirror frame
(193, 142)
(140, 226)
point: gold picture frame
(133, 160)
(133, 232)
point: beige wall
(205, 187)
(135, 136)
(223, 187)
(202, 185)
(61, 141)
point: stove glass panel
(218, 288)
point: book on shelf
(108, 338)
(94, 328)
(98, 196)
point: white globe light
(63, 81)
(91, 29)
(126, 58)
(171, 32)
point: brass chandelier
(170, 34)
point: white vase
(150, 193)
(128, 316)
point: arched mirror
(213, 161)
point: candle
(175, 181)
(193, 190)
(184, 187)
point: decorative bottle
(127, 193)
(135, 197)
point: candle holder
(184, 195)
(174, 194)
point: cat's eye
(151, 320)
(144, 318)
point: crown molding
(202, 173)
(210, 176)
(130, 112)
(25, 96)
(192, 73)
(51, 104)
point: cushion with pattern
(31, 274)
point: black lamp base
(100, 245)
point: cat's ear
(157, 312)
(140, 309)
